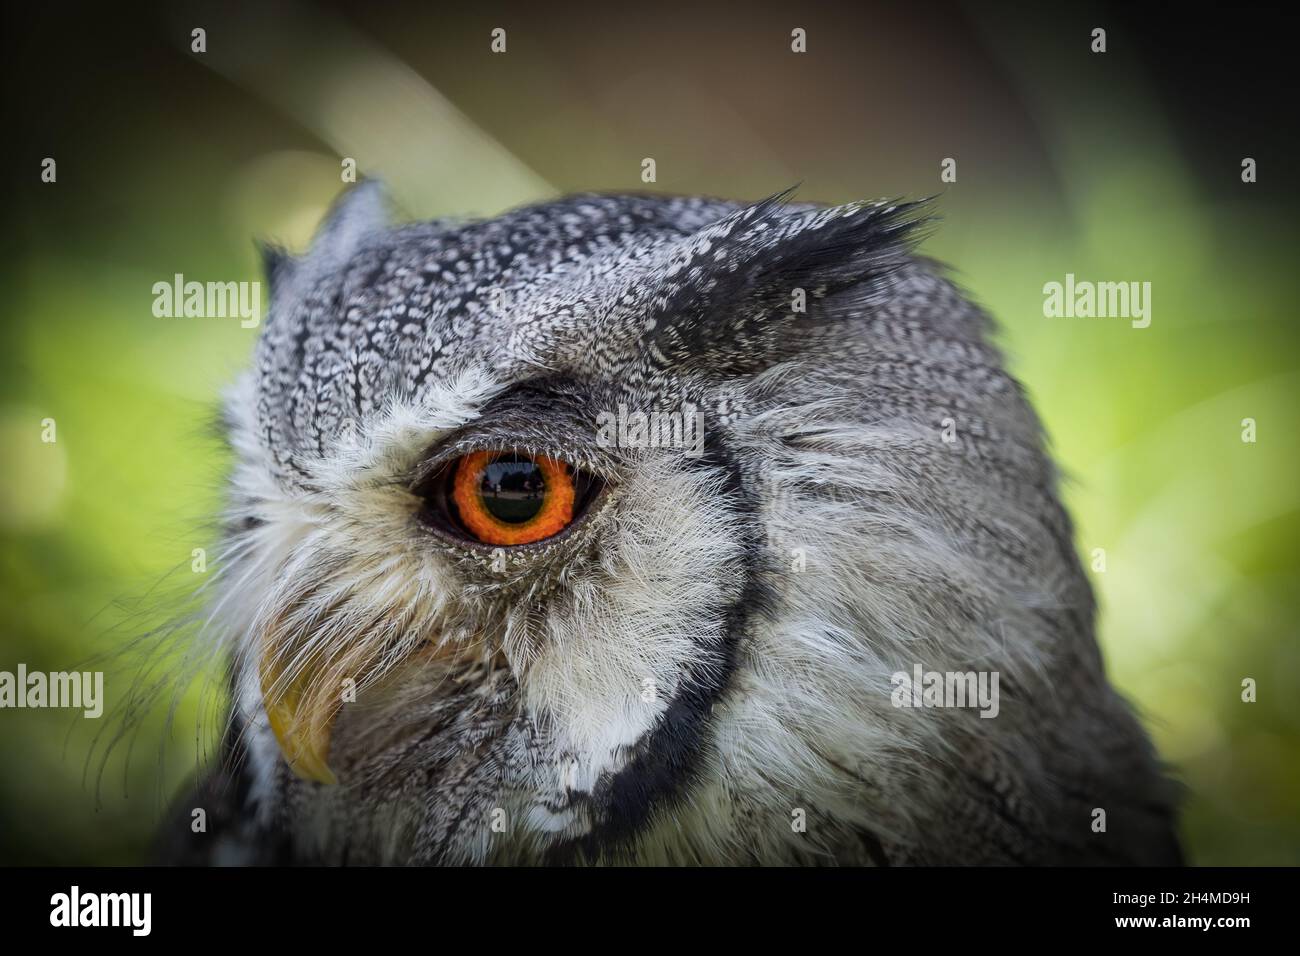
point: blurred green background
(1123, 166)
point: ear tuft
(277, 264)
(732, 294)
(359, 212)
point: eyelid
(599, 464)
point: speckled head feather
(702, 666)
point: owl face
(595, 532)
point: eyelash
(505, 498)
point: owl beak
(302, 722)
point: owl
(639, 529)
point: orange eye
(511, 498)
(504, 498)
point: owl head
(598, 531)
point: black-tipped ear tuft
(751, 275)
(277, 263)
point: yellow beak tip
(303, 744)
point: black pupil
(513, 489)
